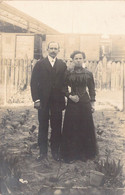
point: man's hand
(93, 107)
(74, 98)
(37, 105)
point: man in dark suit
(46, 90)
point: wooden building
(118, 47)
(21, 36)
(88, 43)
(21, 45)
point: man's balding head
(49, 44)
(53, 49)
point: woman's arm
(91, 87)
(65, 84)
(65, 90)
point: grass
(112, 171)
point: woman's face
(78, 60)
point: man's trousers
(53, 113)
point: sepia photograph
(62, 97)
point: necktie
(52, 62)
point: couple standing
(49, 86)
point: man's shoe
(69, 161)
(41, 157)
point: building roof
(12, 16)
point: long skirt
(78, 135)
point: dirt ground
(18, 139)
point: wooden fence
(107, 74)
(16, 74)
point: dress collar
(78, 69)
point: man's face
(53, 49)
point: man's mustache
(53, 53)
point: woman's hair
(77, 52)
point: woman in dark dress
(78, 136)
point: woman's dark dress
(78, 136)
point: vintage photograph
(62, 97)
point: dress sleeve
(65, 84)
(91, 87)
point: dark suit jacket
(44, 83)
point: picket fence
(16, 74)
(107, 74)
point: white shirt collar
(52, 60)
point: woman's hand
(74, 98)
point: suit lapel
(56, 65)
(48, 66)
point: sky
(106, 17)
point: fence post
(123, 86)
(5, 83)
